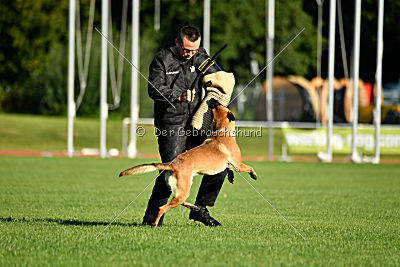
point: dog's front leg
(244, 168)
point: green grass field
(51, 210)
(32, 132)
(45, 133)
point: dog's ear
(230, 116)
(213, 126)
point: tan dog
(213, 156)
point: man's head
(188, 41)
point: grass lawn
(51, 210)
(44, 133)
(33, 132)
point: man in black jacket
(176, 97)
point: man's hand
(188, 96)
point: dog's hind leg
(190, 206)
(244, 168)
(181, 193)
(175, 202)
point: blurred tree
(368, 38)
(27, 30)
(34, 34)
(245, 33)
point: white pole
(319, 53)
(331, 70)
(157, 7)
(132, 151)
(356, 60)
(206, 26)
(270, 76)
(71, 76)
(103, 79)
(378, 79)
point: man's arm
(158, 88)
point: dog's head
(222, 116)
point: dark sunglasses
(189, 50)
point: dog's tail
(146, 168)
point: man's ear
(230, 116)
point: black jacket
(170, 77)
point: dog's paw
(253, 175)
(231, 176)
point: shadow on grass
(64, 221)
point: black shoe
(147, 223)
(202, 215)
(150, 222)
(151, 215)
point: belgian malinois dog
(217, 153)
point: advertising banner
(314, 140)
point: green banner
(314, 140)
